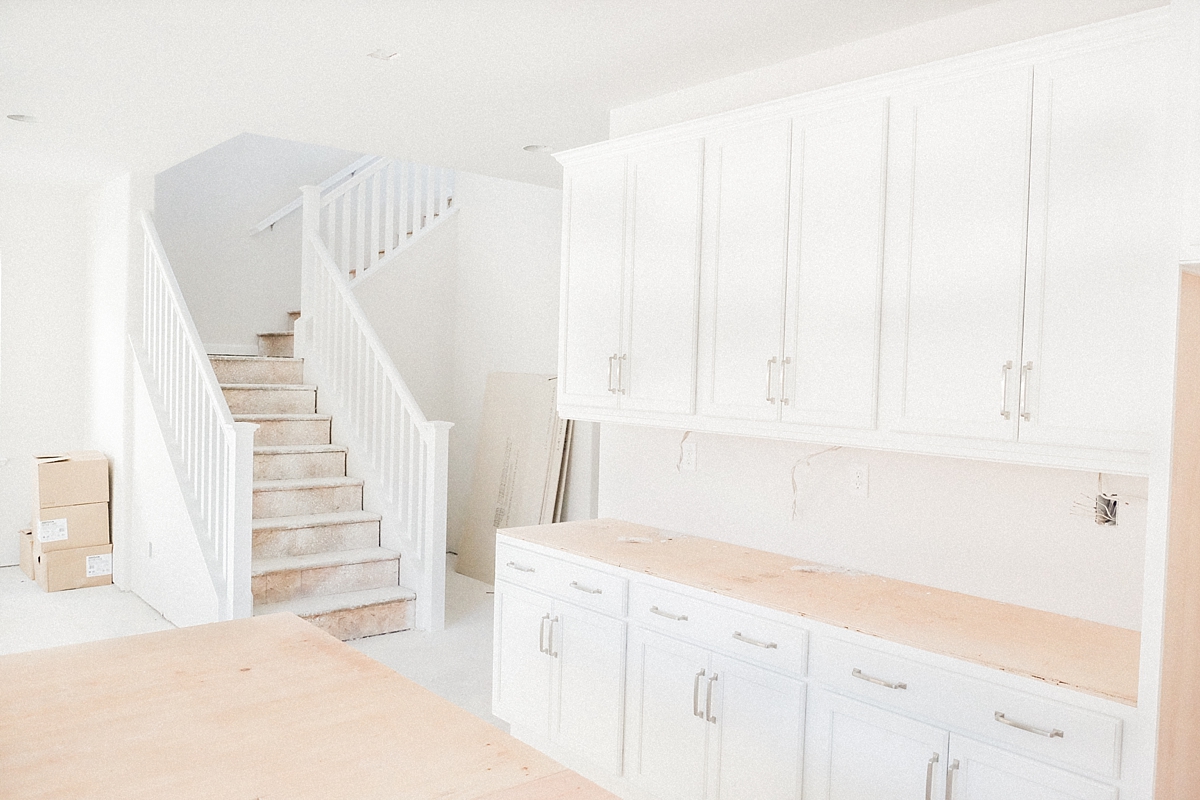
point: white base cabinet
(701, 725)
(660, 691)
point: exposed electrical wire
(679, 463)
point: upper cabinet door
(658, 367)
(592, 283)
(957, 201)
(1100, 241)
(832, 353)
(745, 271)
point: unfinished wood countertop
(1097, 659)
(269, 707)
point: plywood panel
(1179, 704)
(269, 707)
(1087, 656)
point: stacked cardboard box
(69, 545)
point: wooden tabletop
(1097, 659)
(269, 708)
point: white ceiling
(143, 85)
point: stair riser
(278, 543)
(282, 466)
(271, 401)
(278, 587)
(314, 500)
(292, 431)
(259, 371)
(281, 346)
(355, 623)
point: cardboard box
(70, 479)
(74, 569)
(66, 527)
(27, 557)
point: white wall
(969, 31)
(410, 304)
(505, 306)
(1017, 534)
(235, 284)
(45, 376)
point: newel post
(240, 597)
(431, 614)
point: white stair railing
(213, 456)
(402, 456)
(366, 221)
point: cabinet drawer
(580, 585)
(739, 634)
(1019, 721)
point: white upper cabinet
(629, 297)
(1099, 238)
(746, 197)
(592, 282)
(831, 350)
(792, 269)
(657, 371)
(957, 204)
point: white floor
(455, 663)
(31, 619)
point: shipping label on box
(71, 526)
(70, 479)
(99, 564)
(52, 530)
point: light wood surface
(1098, 659)
(269, 708)
(1178, 776)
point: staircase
(315, 550)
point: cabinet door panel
(957, 256)
(665, 741)
(520, 670)
(589, 682)
(858, 752)
(979, 772)
(758, 749)
(663, 286)
(594, 262)
(834, 290)
(745, 269)
(1099, 241)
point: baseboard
(231, 349)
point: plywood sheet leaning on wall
(518, 462)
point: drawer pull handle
(519, 567)
(675, 617)
(1053, 733)
(575, 585)
(933, 759)
(862, 676)
(765, 645)
(696, 695)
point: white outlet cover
(687, 457)
(859, 480)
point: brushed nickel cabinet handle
(696, 695)
(708, 715)
(950, 779)
(586, 589)
(1026, 368)
(668, 615)
(550, 651)
(1004, 370)
(611, 360)
(519, 567)
(621, 374)
(1053, 733)
(765, 645)
(929, 776)
(542, 635)
(862, 676)
(771, 362)
(783, 398)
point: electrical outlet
(687, 457)
(859, 480)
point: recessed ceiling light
(383, 55)
(23, 118)
(537, 148)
